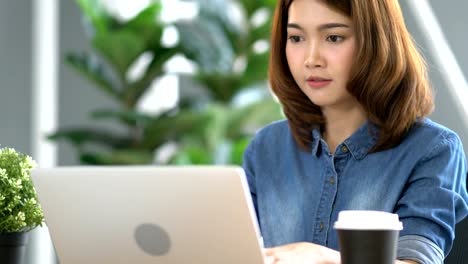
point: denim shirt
(298, 194)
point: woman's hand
(306, 253)
(299, 253)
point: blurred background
(141, 82)
(169, 82)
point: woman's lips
(318, 83)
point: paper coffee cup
(368, 236)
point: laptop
(149, 214)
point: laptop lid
(165, 215)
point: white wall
(15, 74)
(452, 19)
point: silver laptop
(149, 215)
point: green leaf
(19, 207)
(120, 48)
(155, 69)
(127, 117)
(260, 33)
(238, 149)
(256, 70)
(252, 6)
(95, 71)
(120, 157)
(215, 127)
(96, 13)
(219, 11)
(174, 127)
(192, 155)
(269, 3)
(147, 25)
(222, 87)
(79, 136)
(235, 30)
(206, 43)
(250, 118)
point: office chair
(459, 253)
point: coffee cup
(367, 237)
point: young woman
(354, 90)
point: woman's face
(320, 49)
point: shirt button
(332, 180)
(322, 226)
(344, 149)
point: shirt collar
(359, 143)
(316, 138)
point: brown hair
(388, 77)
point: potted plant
(210, 124)
(20, 211)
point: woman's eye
(294, 39)
(334, 38)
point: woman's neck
(341, 124)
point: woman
(354, 90)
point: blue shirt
(298, 194)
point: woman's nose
(314, 57)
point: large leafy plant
(211, 123)
(19, 208)
(228, 51)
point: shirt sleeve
(248, 166)
(434, 200)
(419, 249)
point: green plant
(225, 49)
(208, 125)
(117, 45)
(19, 208)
